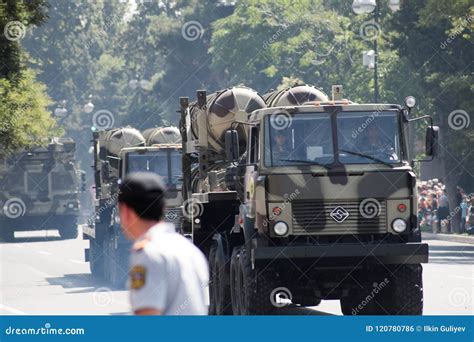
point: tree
(24, 119)
(435, 40)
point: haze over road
(43, 275)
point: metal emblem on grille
(339, 214)
(171, 215)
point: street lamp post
(369, 6)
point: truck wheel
(220, 290)
(235, 281)
(96, 258)
(69, 229)
(116, 264)
(405, 292)
(212, 305)
(254, 287)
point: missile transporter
(296, 198)
(40, 190)
(117, 152)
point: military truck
(301, 198)
(40, 190)
(118, 152)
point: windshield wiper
(309, 162)
(367, 156)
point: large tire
(212, 304)
(96, 258)
(403, 294)
(68, 228)
(220, 290)
(254, 288)
(406, 291)
(235, 281)
(116, 269)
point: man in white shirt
(168, 274)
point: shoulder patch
(137, 277)
(139, 245)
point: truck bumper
(346, 254)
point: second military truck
(117, 152)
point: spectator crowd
(434, 210)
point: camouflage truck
(297, 198)
(117, 152)
(40, 190)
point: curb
(449, 237)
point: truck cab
(329, 198)
(164, 160)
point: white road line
(11, 310)
(44, 252)
(76, 261)
(461, 277)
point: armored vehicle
(303, 198)
(40, 190)
(117, 152)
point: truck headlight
(399, 225)
(280, 228)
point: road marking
(461, 277)
(44, 252)
(76, 261)
(11, 310)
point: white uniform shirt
(168, 273)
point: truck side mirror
(431, 141)
(232, 145)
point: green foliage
(24, 120)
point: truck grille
(37, 182)
(173, 215)
(314, 218)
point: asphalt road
(43, 275)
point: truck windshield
(167, 164)
(368, 137)
(298, 140)
(307, 139)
